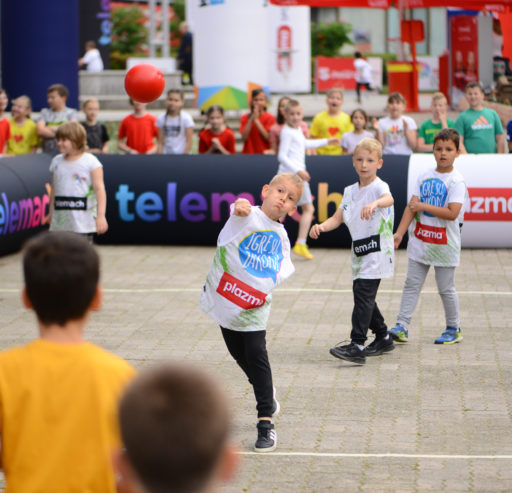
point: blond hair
(371, 145)
(74, 132)
(90, 100)
(296, 179)
(26, 100)
(439, 96)
(335, 91)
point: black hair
(279, 117)
(448, 134)
(255, 92)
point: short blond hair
(371, 145)
(439, 96)
(295, 178)
(25, 100)
(74, 132)
(335, 91)
(90, 100)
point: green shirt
(428, 130)
(479, 129)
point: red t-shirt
(5, 133)
(139, 132)
(226, 138)
(255, 143)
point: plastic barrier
(184, 200)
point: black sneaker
(267, 437)
(350, 352)
(379, 346)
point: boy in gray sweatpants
(434, 218)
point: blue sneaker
(451, 335)
(399, 333)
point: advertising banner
(428, 74)
(338, 72)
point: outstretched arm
(385, 200)
(332, 223)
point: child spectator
(331, 123)
(97, 135)
(479, 128)
(255, 126)
(275, 130)
(363, 74)
(367, 210)
(349, 141)
(252, 258)
(50, 118)
(434, 214)
(509, 135)
(175, 126)
(59, 393)
(78, 199)
(396, 132)
(291, 157)
(218, 139)
(24, 139)
(429, 128)
(137, 132)
(92, 58)
(5, 128)
(175, 427)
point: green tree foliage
(328, 39)
(129, 35)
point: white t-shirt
(435, 241)
(75, 206)
(394, 134)
(373, 251)
(92, 59)
(292, 149)
(349, 140)
(363, 71)
(252, 258)
(173, 129)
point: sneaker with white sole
(379, 346)
(267, 437)
(399, 333)
(349, 352)
(451, 335)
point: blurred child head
(334, 101)
(475, 95)
(21, 107)
(61, 272)
(215, 117)
(280, 118)
(439, 103)
(90, 45)
(91, 108)
(359, 119)
(138, 107)
(367, 158)
(281, 195)
(293, 113)
(258, 100)
(174, 101)
(396, 105)
(74, 133)
(175, 423)
(4, 100)
(57, 95)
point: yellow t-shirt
(58, 417)
(325, 126)
(23, 138)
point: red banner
(489, 204)
(334, 73)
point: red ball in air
(144, 83)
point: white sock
(360, 346)
(302, 242)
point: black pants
(250, 352)
(366, 313)
(358, 88)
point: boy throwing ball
(367, 210)
(252, 258)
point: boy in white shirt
(367, 210)
(252, 258)
(396, 132)
(434, 216)
(292, 152)
(363, 74)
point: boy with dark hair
(252, 258)
(175, 426)
(59, 393)
(480, 128)
(50, 118)
(434, 215)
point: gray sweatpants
(445, 279)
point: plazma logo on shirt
(261, 254)
(433, 192)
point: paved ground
(423, 418)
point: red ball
(144, 83)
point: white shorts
(306, 197)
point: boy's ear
(292, 212)
(97, 299)
(125, 477)
(25, 299)
(264, 191)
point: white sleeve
(457, 193)
(411, 123)
(284, 149)
(383, 188)
(314, 143)
(92, 161)
(160, 121)
(187, 120)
